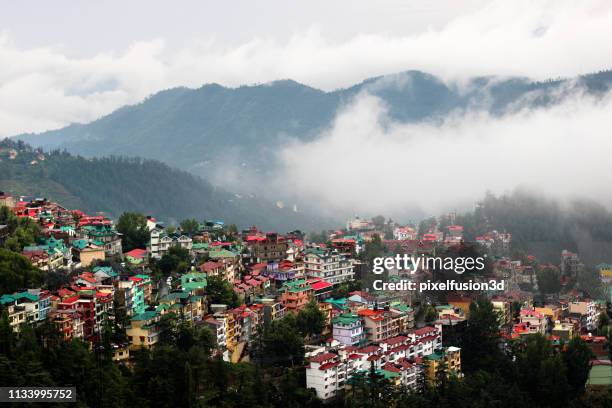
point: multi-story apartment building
(266, 248)
(217, 325)
(330, 370)
(22, 307)
(103, 235)
(272, 309)
(570, 263)
(69, 323)
(382, 324)
(161, 242)
(533, 321)
(133, 294)
(331, 266)
(587, 311)
(144, 330)
(295, 295)
(348, 329)
(451, 356)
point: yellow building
(87, 254)
(462, 303)
(143, 330)
(565, 331)
(449, 355)
(551, 311)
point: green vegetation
(115, 185)
(133, 226)
(544, 227)
(16, 272)
(194, 129)
(221, 291)
(22, 231)
(175, 261)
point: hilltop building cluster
(402, 336)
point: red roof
(321, 285)
(63, 292)
(391, 367)
(72, 299)
(396, 340)
(327, 366)
(369, 312)
(86, 276)
(210, 266)
(322, 357)
(424, 330)
(137, 253)
(369, 349)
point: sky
(66, 61)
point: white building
(328, 265)
(588, 312)
(535, 321)
(161, 243)
(404, 233)
(329, 369)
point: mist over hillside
(225, 134)
(113, 185)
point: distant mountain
(211, 128)
(116, 184)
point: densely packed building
(398, 335)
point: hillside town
(141, 276)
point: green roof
(435, 356)
(148, 315)
(105, 269)
(388, 374)
(315, 251)
(173, 296)
(297, 286)
(194, 276)
(346, 319)
(194, 285)
(402, 307)
(600, 375)
(80, 243)
(339, 303)
(4, 299)
(27, 295)
(221, 253)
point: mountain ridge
(214, 130)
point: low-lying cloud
(45, 88)
(365, 163)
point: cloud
(365, 163)
(44, 88)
